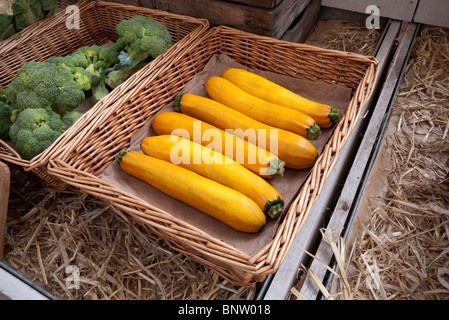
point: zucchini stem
(274, 208)
(313, 132)
(177, 103)
(276, 168)
(120, 155)
(335, 116)
(275, 211)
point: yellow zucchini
(227, 93)
(324, 115)
(215, 166)
(255, 159)
(296, 151)
(221, 202)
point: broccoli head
(62, 61)
(44, 85)
(80, 74)
(5, 120)
(144, 38)
(34, 131)
(141, 40)
(78, 60)
(96, 60)
(83, 77)
(70, 118)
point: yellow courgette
(255, 159)
(324, 115)
(221, 202)
(215, 166)
(296, 151)
(227, 93)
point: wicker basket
(92, 151)
(51, 37)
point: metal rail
(341, 193)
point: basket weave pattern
(51, 37)
(93, 150)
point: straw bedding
(403, 252)
(345, 36)
(47, 231)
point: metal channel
(355, 178)
(34, 288)
(278, 285)
(329, 276)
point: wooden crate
(266, 17)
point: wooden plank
(127, 2)
(285, 14)
(305, 24)
(339, 217)
(434, 12)
(259, 3)
(307, 238)
(5, 178)
(268, 22)
(398, 9)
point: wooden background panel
(397, 9)
(259, 3)
(433, 12)
(268, 22)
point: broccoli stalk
(141, 40)
(123, 70)
(34, 131)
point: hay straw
(350, 37)
(48, 231)
(403, 252)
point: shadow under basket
(95, 148)
(51, 37)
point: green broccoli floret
(96, 60)
(34, 131)
(108, 57)
(83, 77)
(78, 60)
(44, 85)
(71, 94)
(144, 38)
(7, 26)
(27, 12)
(90, 53)
(70, 118)
(5, 120)
(62, 61)
(80, 74)
(2, 95)
(141, 40)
